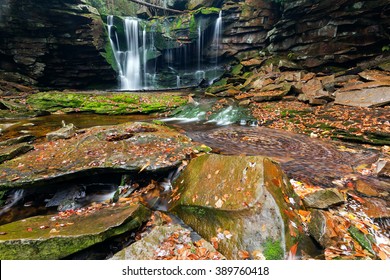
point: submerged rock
(48, 237)
(129, 147)
(241, 204)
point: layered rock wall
(53, 43)
(339, 32)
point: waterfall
(141, 65)
(131, 80)
(217, 36)
(144, 52)
(199, 46)
(114, 44)
(129, 60)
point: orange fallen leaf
(382, 255)
(243, 255)
(293, 251)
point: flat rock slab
(129, 147)
(45, 237)
(367, 97)
(323, 199)
(10, 152)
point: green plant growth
(273, 250)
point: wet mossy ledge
(109, 103)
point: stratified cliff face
(63, 43)
(337, 32)
(246, 24)
(53, 43)
(312, 32)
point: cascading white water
(217, 36)
(114, 44)
(131, 80)
(199, 46)
(144, 54)
(138, 60)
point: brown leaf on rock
(243, 255)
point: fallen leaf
(145, 166)
(243, 255)
(219, 203)
(382, 255)
(293, 251)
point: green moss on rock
(27, 240)
(273, 250)
(110, 103)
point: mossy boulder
(45, 237)
(105, 103)
(128, 147)
(241, 203)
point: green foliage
(362, 238)
(386, 48)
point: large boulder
(53, 237)
(244, 205)
(129, 147)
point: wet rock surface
(53, 237)
(238, 204)
(122, 148)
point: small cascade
(177, 81)
(206, 114)
(199, 46)
(217, 37)
(12, 199)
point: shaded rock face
(53, 43)
(239, 203)
(331, 32)
(245, 25)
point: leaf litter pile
(349, 233)
(364, 125)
